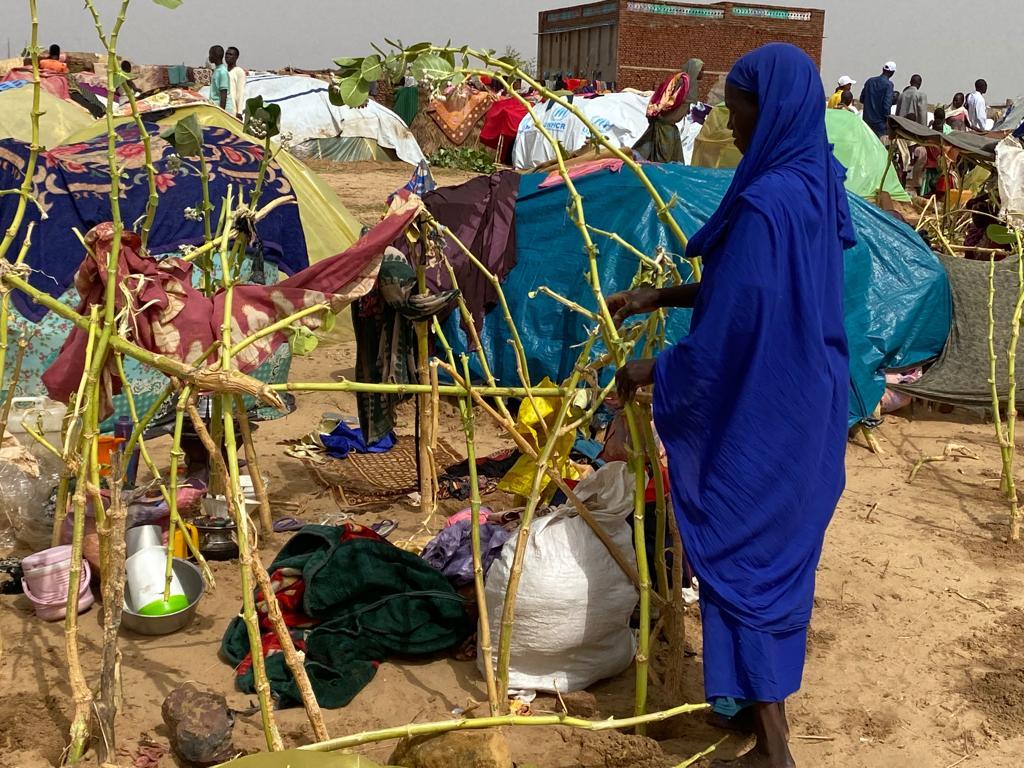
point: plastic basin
(191, 579)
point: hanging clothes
(383, 322)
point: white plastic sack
(574, 602)
(1010, 168)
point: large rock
(464, 749)
(200, 725)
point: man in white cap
(878, 96)
(845, 83)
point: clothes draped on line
(171, 317)
(383, 321)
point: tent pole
(888, 165)
(424, 400)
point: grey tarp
(1014, 117)
(961, 374)
(977, 146)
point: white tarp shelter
(308, 115)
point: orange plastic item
(105, 446)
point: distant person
(843, 85)
(237, 75)
(956, 115)
(670, 104)
(560, 84)
(53, 63)
(931, 168)
(220, 82)
(846, 102)
(878, 96)
(913, 103)
(977, 109)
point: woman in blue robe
(752, 404)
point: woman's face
(958, 100)
(742, 116)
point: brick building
(636, 44)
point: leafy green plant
(464, 159)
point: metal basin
(191, 579)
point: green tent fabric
(345, 149)
(854, 144)
(407, 103)
(373, 601)
(865, 158)
(961, 374)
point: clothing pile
(351, 600)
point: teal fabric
(220, 81)
(898, 307)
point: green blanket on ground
(373, 601)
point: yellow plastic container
(180, 547)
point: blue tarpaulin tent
(898, 306)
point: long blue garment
(877, 96)
(752, 404)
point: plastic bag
(574, 602)
(27, 482)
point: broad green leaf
(168, 3)
(347, 62)
(372, 69)
(419, 48)
(262, 120)
(394, 66)
(302, 340)
(449, 56)
(431, 67)
(353, 91)
(1001, 235)
(186, 136)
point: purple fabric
(451, 551)
(481, 213)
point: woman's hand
(630, 377)
(639, 301)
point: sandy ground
(914, 654)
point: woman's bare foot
(772, 748)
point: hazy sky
(950, 44)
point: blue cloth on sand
(344, 439)
(752, 404)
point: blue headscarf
(790, 137)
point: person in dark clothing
(878, 96)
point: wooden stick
(469, 427)
(259, 487)
(107, 703)
(291, 655)
(533, 721)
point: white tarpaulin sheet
(307, 113)
(1010, 169)
(621, 118)
(532, 148)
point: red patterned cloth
(168, 316)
